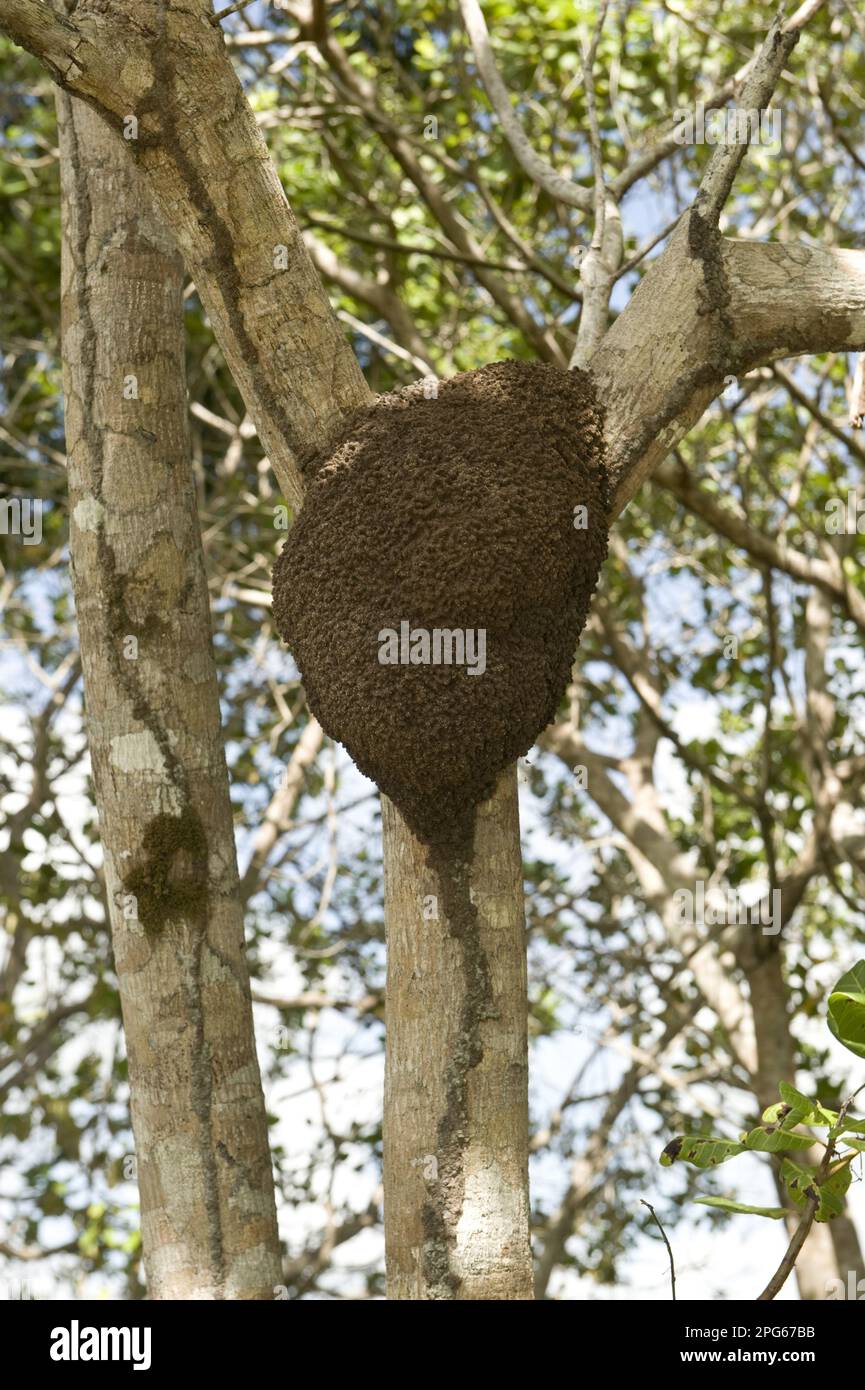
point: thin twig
(657, 1222)
(594, 129)
(230, 9)
(404, 249)
(800, 1235)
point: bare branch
(230, 9)
(538, 170)
(706, 308)
(277, 817)
(755, 96)
(762, 548)
(657, 1222)
(806, 11)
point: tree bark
(208, 1216)
(456, 1126)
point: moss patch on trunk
(169, 877)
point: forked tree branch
(710, 307)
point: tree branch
(52, 38)
(756, 94)
(671, 140)
(538, 170)
(765, 549)
(707, 308)
(812, 1205)
(197, 141)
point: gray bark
(208, 1217)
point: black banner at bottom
(65, 1338)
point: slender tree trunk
(208, 1215)
(456, 1082)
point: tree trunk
(456, 1081)
(208, 1215)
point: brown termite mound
(476, 509)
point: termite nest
(478, 506)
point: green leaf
(809, 1112)
(832, 1193)
(800, 1183)
(846, 1016)
(725, 1204)
(796, 1100)
(704, 1151)
(797, 1180)
(773, 1139)
(782, 1113)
